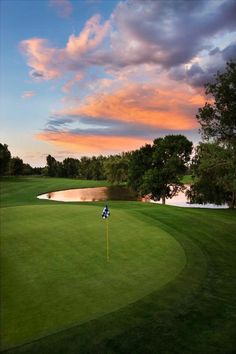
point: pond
(91, 194)
(181, 200)
(116, 193)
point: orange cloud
(141, 104)
(90, 145)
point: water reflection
(181, 200)
(91, 194)
(116, 193)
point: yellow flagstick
(107, 241)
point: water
(90, 194)
(181, 201)
(117, 193)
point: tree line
(157, 169)
(113, 168)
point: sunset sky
(90, 77)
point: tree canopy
(5, 157)
(214, 172)
(159, 168)
(218, 118)
(214, 165)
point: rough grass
(169, 287)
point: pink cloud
(49, 63)
(67, 87)
(62, 7)
(28, 94)
(41, 58)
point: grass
(168, 288)
(187, 179)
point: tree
(140, 162)
(169, 163)
(86, 171)
(96, 168)
(218, 119)
(16, 166)
(5, 157)
(27, 169)
(52, 166)
(70, 167)
(214, 171)
(215, 165)
(116, 168)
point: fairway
(169, 283)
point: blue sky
(96, 77)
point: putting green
(55, 273)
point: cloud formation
(166, 33)
(139, 73)
(140, 104)
(47, 62)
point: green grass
(187, 179)
(21, 191)
(169, 286)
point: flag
(105, 212)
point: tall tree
(16, 166)
(71, 167)
(214, 172)
(52, 166)
(169, 163)
(218, 118)
(140, 162)
(5, 157)
(116, 168)
(215, 166)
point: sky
(90, 77)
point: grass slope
(169, 287)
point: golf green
(168, 288)
(61, 274)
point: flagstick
(107, 241)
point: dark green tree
(218, 118)
(27, 170)
(216, 182)
(70, 167)
(170, 157)
(96, 168)
(86, 171)
(5, 157)
(52, 166)
(116, 168)
(214, 172)
(16, 166)
(140, 161)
